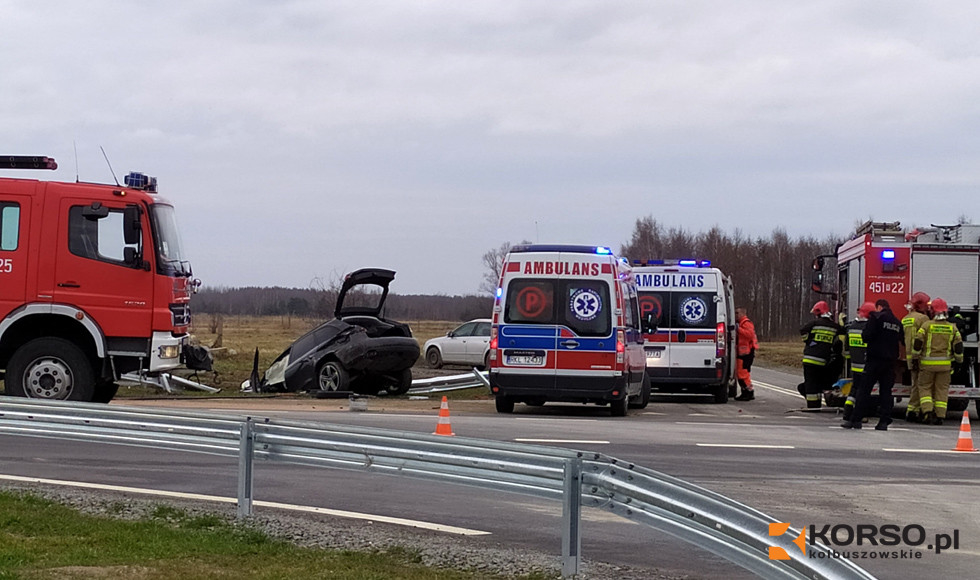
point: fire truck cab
(882, 260)
(94, 284)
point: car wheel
(401, 385)
(333, 377)
(618, 407)
(504, 404)
(50, 368)
(644, 396)
(433, 358)
(721, 394)
(486, 362)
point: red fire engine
(883, 261)
(94, 285)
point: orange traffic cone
(444, 428)
(965, 442)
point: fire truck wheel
(401, 385)
(105, 391)
(433, 358)
(333, 377)
(958, 405)
(618, 408)
(50, 368)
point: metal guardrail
(450, 383)
(576, 478)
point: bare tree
(493, 261)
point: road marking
(745, 446)
(926, 451)
(583, 441)
(700, 415)
(539, 419)
(653, 413)
(271, 504)
(776, 389)
(872, 428)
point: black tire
(105, 392)
(644, 396)
(618, 407)
(958, 405)
(486, 362)
(433, 358)
(720, 396)
(332, 376)
(50, 368)
(503, 404)
(403, 384)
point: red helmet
(920, 300)
(939, 305)
(866, 309)
(820, 308)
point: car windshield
(170, 251)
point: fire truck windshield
(170, 251)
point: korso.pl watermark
(865, 541)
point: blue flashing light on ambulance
(566, 328)
(691, 348)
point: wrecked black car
(358, 351)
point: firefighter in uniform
(938, 343)
(855, 352)
(918, 313)
(747, 342)
(821, 338)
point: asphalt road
(797, 466)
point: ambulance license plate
(653, 354)
(525, 358)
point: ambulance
(692, 347)
(566, 328)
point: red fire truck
(882, 260)
(94, 285)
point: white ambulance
(692, 306)
(566, 327)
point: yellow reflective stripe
(924, 400)
(814, 361)
(940, 404)
(815, 397)
(849, 402)
(857, 368)
(934, 362)
(912, 408)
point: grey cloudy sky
(304, 139)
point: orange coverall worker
(746, 344)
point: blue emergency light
(602, 250)
(888, 254)
(500, 292)
(688, 263)
(142, 181)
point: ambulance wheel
(50, 368)
(332, 376)
(433, 358)
(644, 396)
(618, 407)
(105, 391)
(721, 394)
(503, 404)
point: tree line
(771, 276)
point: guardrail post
(571, 517)
(246, 446)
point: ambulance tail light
(620, 346)
(493, 343)
(720, 340)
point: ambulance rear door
(527, 332)
(693, 319)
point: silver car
(467, 344)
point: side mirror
(133, 259)
(132, 229)
(450, 334)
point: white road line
(745, 446)
(582, 441)
(564, 420)
(926, 451)
(776, 389)
(271, 504)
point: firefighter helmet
(866, 309)
(939, 305)
(919, 301)
(820, 308)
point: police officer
(855, 351)
(882, 335)
(918, 313)
(938, 343)
(821, 338)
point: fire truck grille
(181, 314)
